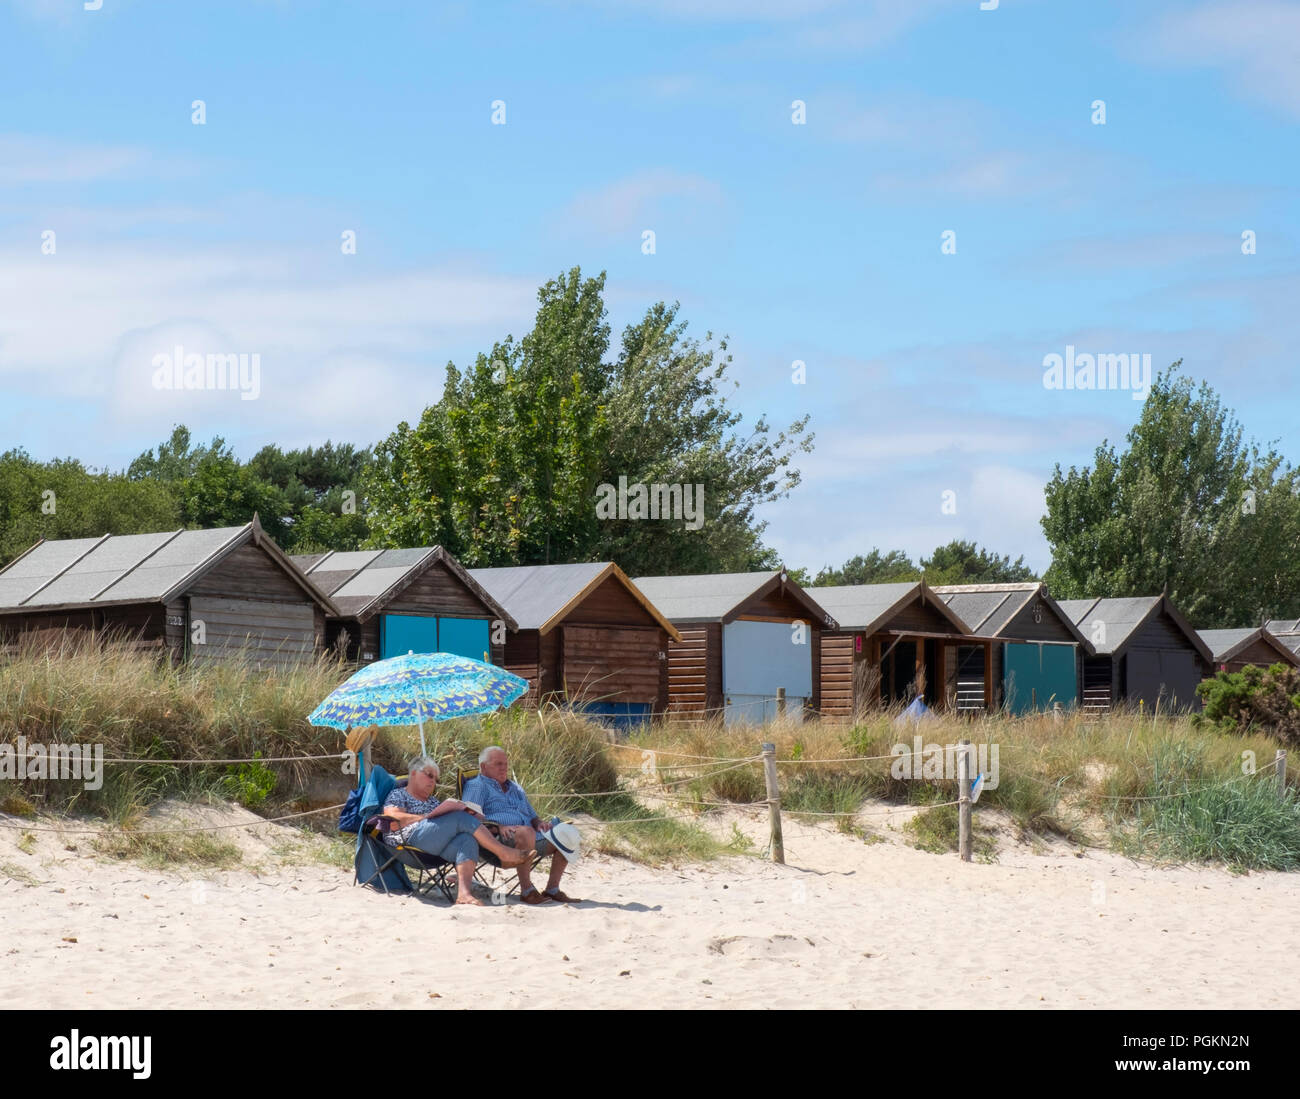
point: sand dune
(845, 924)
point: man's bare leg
(558, 866)
(525, 839)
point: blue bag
(350, 814)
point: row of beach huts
(745, 645)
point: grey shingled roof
(1226, 644)
(857, 606)
(121, 568)
(985, 612)
(1122, 615)
(534, 594)
(989, 608)
(360, 581)
(865, 606)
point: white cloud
(345, 352)
(26, 160)
(1256, 42)
(640, 202)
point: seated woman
(443, 828)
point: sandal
(534, 896)
(561, 896)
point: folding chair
(487, 858)
(384, 863)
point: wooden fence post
(963, 805)
(1280, 758)
(780, 702)
(773, 802)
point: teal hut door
(1036, 675)
(400, 634)
(465, 637)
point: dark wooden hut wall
(437, 587)
(612, 665)
(1259, 653)
(837, 675)
(248, 572)
(695, 671)
(1022, 626)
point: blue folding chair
(382, 865)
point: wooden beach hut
(198, 595)
(1233, 650)
(585, 633)
(1039, 657)
(1144, 651)
(397, 601)
(896, 642)
(1287, 631)
(745, 637)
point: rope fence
(669, 791)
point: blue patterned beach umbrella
(418, 687)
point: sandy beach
(843, 924)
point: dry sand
(844, 924)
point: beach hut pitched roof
(540, 596)
(1122, 617)
(1287, 631)
(119, 569)
(718, 597)
(867, 607)
(1227, 644)
(989, 608)
(362, 582)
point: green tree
(961, 562)
(320, 494)
(873, 568)
(63, 499)
(505, 468)
(211, 486)
(1188, 507)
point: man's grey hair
(486, 754)
(419, 763)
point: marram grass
(1072, 778)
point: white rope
(170, 831)
(255, 759)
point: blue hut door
(400, 634)
(1036, 674)
(465, 637)
(757, 658)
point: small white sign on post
(976, 788)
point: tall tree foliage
(1188, 507)
(958, 562)
(505, 468)
(872, 568)
(64, 499)
(299, 495)
(961, 562)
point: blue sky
(817, 242)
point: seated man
(443, 828)
(505, 803)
